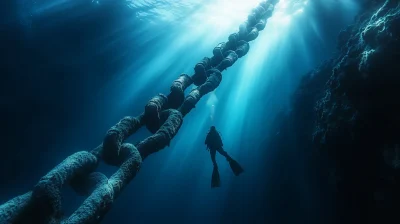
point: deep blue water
(72, 69)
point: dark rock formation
(358, 117)
(347, 114)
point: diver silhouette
(214, 144)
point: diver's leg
(224, 153)
(235, 166)
(213, 152)
(215, 180)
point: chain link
(163, 116)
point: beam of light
(212, 101)
(258, 68)
(53, 5)
(223, 15)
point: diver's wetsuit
(214, 143)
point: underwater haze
(71, 69)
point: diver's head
(212, 128)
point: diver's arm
(207, 139)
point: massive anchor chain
(163, 116)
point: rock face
(358, 117)
(362, 88)
(349, 112)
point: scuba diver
(214, 144)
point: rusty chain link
(163, 116)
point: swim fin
(236, 168)
(215, 181)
